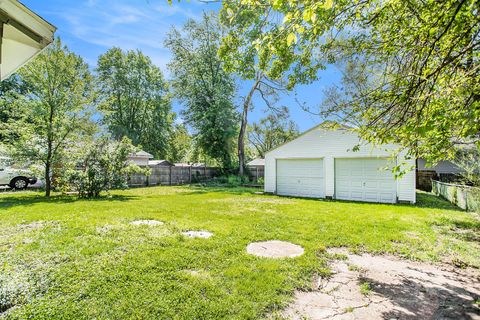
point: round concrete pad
(197, 234)
(147, 223)
(275, 249)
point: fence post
(205, 172)
(190, 174)
(170, 176)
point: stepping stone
(275, 249)
(147, 223)
(197, 234)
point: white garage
(363, 179)
(321, 163)
(300, 177)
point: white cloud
(141, 26)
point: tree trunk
(48, 183)
(241, 138)
(243, 126)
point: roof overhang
(23, 35)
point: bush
(228, 181)
(103, 167)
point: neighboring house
(256, 168)
(441, 167)
(194, 165)
(320, 163)
(164, 163)
(256, 163)
(140, 158)
(443, 171)
(23, 35)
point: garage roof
(326, 125)
(23, 35)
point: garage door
(302, 178)
(364, 180)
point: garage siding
(332, 144)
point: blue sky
(91, 27)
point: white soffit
(24, 34)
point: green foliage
(135, 99)
(272, 131)
(228, 181)
(421, 60)
(365, 288)
(102, 167)
(468, 159)
(11, 112)
(52, 109)
(204, 88)
(180, 149)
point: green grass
(365, 288)
(66, 258)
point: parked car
(13, 177)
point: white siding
(139, 161)
(331, 144)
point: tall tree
(11, 91)
(180, 144)
(422, 57)
(56, 107)
(205, 89)
(135, 99)
(267, 90)
(272, 131)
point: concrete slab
(275, 249)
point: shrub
(103, 167)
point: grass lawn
(82, 259)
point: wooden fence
(170, 175)
(256, 173)
(465, 197)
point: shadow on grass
(203, 189)
(29, 200)
(424, 200)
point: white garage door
(300, 177)
(364, 180)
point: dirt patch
(275, 249)
(147, 223)
(380, 287)
(197, 234)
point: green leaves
(291, 38)
(420, 86)
(135, 99)
(204, 88)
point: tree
(102, 166)
(272, 131)
(11, 111)
(422, 58)
(206, 90)
(180, 144)
(56, 108)
(469, 160)
(267, 90)
(135, 99)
